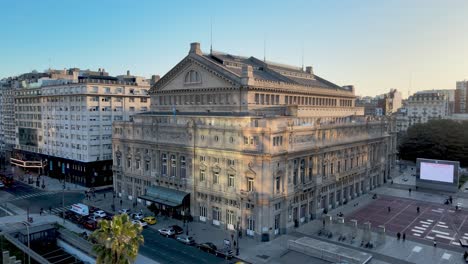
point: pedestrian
(389, 209)
(104, 195)
(391, 182)
(398, 235)
(50, 209)
(42, 210)
(409, 190)
(451, 199)
(417, 209)
(404, 236)
(435, 243)
(323, 222)
(120, 202)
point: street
(168, 250)
(24, 196)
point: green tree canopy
(437, 139)
(118, 240)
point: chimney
(195, 48)
(247, 75)
(128, 73)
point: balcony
(248, 195)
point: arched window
(192, 77)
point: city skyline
(353, 43)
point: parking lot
(434, 221)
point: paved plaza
(434, 221)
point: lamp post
(237, 244)
(29, 243)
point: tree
(437, 139)
(118, 240)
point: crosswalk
(57, 210)
(31, 195)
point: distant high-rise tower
(461, 97)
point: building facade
(461, 97)
(64, 125)
(422, 107)
(245, 144)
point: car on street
(90, 225)
(208, 247)
(137, 216)
(100, 213)
(188, 240)
(143, 224)
(2, 185)
(124, 211)
(167, 232)
(95, 218)
(178, 230)
(150, 220)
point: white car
(124, 211)
(166, 232)
(2, 185)
(137, 216)
(141, 223)
(95, 218)
(100, 213)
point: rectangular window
(203, 211)
(278, 184)
(257, 99)
(230, 217)
(250, 184)
(202, 175)
(215, 177)
(216, 214)
(230, 180)
(164, 165)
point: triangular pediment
(193, 73)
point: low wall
(328, 251)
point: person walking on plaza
(389, 209)
(404, 236)
(398, 235)
(417, 209)
(409, 190)
(435, 243)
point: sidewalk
(53, 184)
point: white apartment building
(68, 126)
(422, 107)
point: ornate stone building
(242, 143)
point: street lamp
(29, 245)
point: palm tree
(118, 241)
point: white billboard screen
(437, 172)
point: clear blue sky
(375, 45)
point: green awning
(166, 196)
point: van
(80, 209)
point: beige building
(242, 143)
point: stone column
(366, 236)
(381, 231)
(340, 226)
(353, 224)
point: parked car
(188, 240)
(100, 213)
(2, 185)
(92, 209)
(137, 216)
(150, 220)
(90, 225)
(95, 218)
(178, 230)
(208, 247)
(224, 253)
(168, 232)
(124, 211)
(139, 222)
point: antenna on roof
(211, 35)
(302, 68)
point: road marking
(423, 222)
(446, 256)
(420, 228)
(465, 237)
(455, 243)
(446, 237)
(430, 237)
(437, 211)
(442, 223)
(426, 226)
(417, 231)
(440, 232)
(430, 220)
(416, 234)
(443, 226)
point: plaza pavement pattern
(434, 221)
